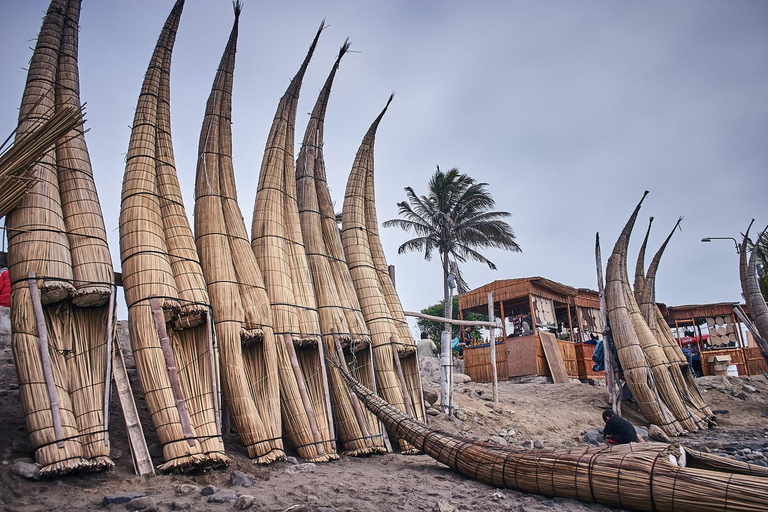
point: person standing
(425, 347)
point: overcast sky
(569, 110)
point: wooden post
(173, 375)
(494, 374)
(401, 378)
(532, 313)
(391, 270)
(303, 393)
(503, 320)
(580, 323)
(214, 372)
(45, 358)
(108, 377)
(353, 397)
(570, 321)
(612, 386)
(142, 462)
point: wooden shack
(571, 314)
(713, 332)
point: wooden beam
(470, 323)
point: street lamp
(710, 238)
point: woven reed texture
(91, 261)
(60, 212)
(37, 239)
(755, 299)
(251, 388)
(637, 373)
(365, 277)
(311, 184)
(279, 248)
(678, 367)
(33, 393)
(406, 346)
(635, 476)
(160, 261)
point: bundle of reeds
(406, 361)
(621, 315)
(18, 156)
(385, 336)
(247, 353)
(755, 299)
(277, 243)
(91, 262)
(57, 248)
(163, 281)
(664, 373)
(680, 371)
(636, 476)
(341, 322)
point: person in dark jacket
(618, 430)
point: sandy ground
(553, 415)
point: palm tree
(456, 218)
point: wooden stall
(710, 330)
(571, 314)
(477, 363)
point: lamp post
(710, 238)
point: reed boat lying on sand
(636, 476)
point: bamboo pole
(287, 339)
(45, 357)
(494, 373)
(170, 363)
(401, 378)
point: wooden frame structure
(575, 310)
(744, 353)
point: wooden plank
(142, 462)
(554, 358)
